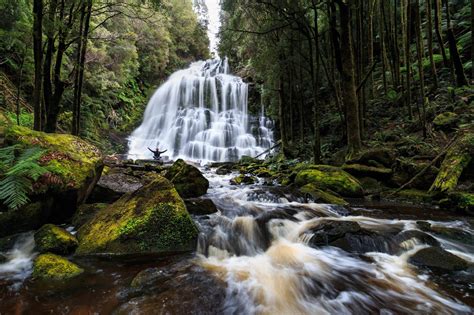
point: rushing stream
(260, 255)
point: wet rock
(187, 179)
(360, 170)
(86, 212)
(53, 267)
(184, 290)
(114, 185)
(438, 258)
(153, 219)
(200, 206)
(225, 169)
(3, 258)
(329, 231)
(459, 202)
(446, 121)
(74, 167)
(413, 196)
(243, 180)
(452, 234)
(329, 178)
(419, 237)
(323, 196)
(7, 242)
(53, 239)
(247, 160)
(376, 157)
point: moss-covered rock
(53, 267)
(446, 121)
(153, 219)
(86, 212)
(457, 159)
(53, 239)
(200, 206)
(243, 180)
(323, 196)
(377, 157)
(406, 169)
(360, 170)
(331, 178)
(187, 179)
(414, 196)
(459, 201)
(73, 165)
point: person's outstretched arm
(151, 150)
(163, 151)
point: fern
(20, 169)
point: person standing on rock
(157, 153)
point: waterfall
(201, 114)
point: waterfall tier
(201, 114)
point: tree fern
(20, 169)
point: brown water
(262, 254)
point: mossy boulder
(323, 196)
(53, 239)
(458, 158)
(377, 157)
(247, 160)
(406, 169)
(53, 267)
(459, 201)
(152, 220)
(330, 178)
(446, 121)
(360, 170)
(414, 196)
(86, 212)
(243, 180)
(26, 218)
(187, 179)
(73, 168)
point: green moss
(72, 160)
(243, 180)
(153, 219)
(51, 238)
(331, 178)
(52, 267)
(415, 196)
(367, 171)
(457, 159)
(323, 196)
(187, 179)
(445, 119)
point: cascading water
(201, 114)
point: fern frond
(7, 156)
(14, 191)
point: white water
(201, 113)
(270, 267)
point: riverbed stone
(53, 239)
(86, 212)
(114, 185)
(330, 178)
(438, 258)
(152, 220)
(200, 206)
(53, 267)
(187, 179)
(243, 180)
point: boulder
(459, 201)
(377, 157)
(86, 212)
(114, 185)
(152, 220)
(331, 178)
(438, 258)
(200, 206)
(3, 258)
(73, 167)
(53, 239)
(446, 121)
(323, 196)
(53, 267)
(187, 179)
(458, 157)
(247, 160)
(406, 169)
(225, 168)
(243, 180)
(360, 170)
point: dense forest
(93, 63)
(236, 156)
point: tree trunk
(420, 54)
(429, 32)
(439, 36)
(18, 91)
(80, 74)
(348, 86)
(453, 50)
(38, 60)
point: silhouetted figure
(157, 153)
